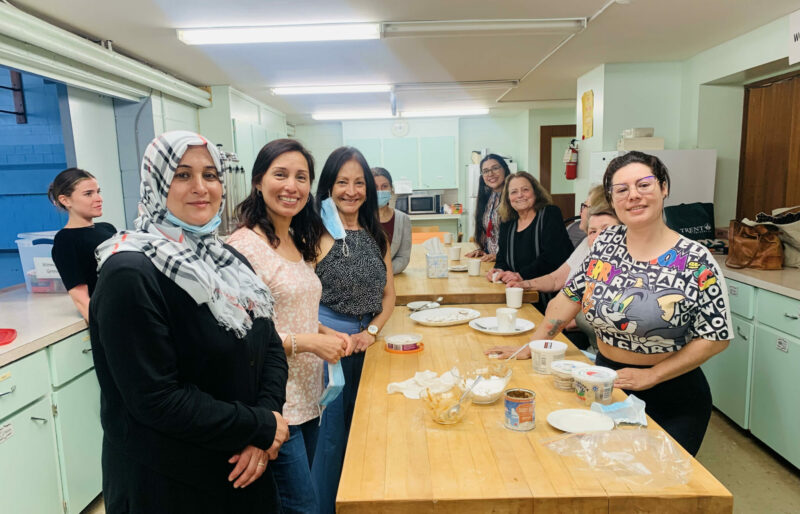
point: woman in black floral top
(657, 301)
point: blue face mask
(331, 220)
(208, 228)
(335, 383)
(383, 198)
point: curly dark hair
(306, 226)
(368, 212)
(651, 161)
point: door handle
(86, 350)
(739, 331)
(13, 388)
(38, 420)
(791, 316)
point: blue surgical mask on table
(208, 228)
(383, 198)
(333, 223)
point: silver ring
(260, 464)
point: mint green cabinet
(401, 159)
(774, 412)
(778, 311)
(438, 162)
(369, 147)
(28, 467)
(80, 440)
(742, 298)
(729, 374)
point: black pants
(682, 406)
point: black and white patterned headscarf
(198, 264)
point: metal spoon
(425, 305)
(453, 411)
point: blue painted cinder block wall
(31, 155)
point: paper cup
(448, 238)
(455, 253)
(506, 319)
(514, 297)
(474, 267)
(544, 352)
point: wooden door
(769, 167)
(564, 201)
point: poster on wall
(587, 103)
(794, 38)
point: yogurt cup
(544, 352)
(594, 384)
(562, 373)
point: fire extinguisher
(571, 160)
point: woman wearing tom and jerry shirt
(656, 300)
(192, 373)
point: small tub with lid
(563, 373)
(594, 384)
(544, 352)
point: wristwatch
(372, 330)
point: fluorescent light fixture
(324, 90)
(444, 112)
(279, 33)
(351, 115)
(555, 26)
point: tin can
(520, 409)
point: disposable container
(544, 352)
(562, 371)
(35, 255)
(594, 384)
(436, 265)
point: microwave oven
(419, 204)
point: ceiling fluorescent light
(323, 90)
(482, 27)
(279, 33)
(351, 115)
(444, 112)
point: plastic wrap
(639, 456)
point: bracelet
(294, 344)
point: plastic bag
(638, 455)
(629, 411)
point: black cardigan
(555, 246)
(179, 393)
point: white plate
(458, 267)
(578, 421)
(489, 326)
(444, 316)
(417, 305)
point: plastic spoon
(425, 305)
(452, 412)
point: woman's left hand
(250, 465)
(510, 276)
(489, 257)
(635, 379)
(362, 341)
(348, 341)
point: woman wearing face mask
(657, 301)
(77, 192)
(280, 237)
(494, 171)
(192, 373)
(355, 268)
(533, 240)
(396, 224)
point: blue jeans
(292, 469)
(336, 417)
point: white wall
(172, 114)
(89, 119)
(539, 118)
(594, 81)
(320, 140)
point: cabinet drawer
(779, 311)
(774, 416)
(729, 374)
(742, 298)
(29, 474)
(22, 382)
(70, 357)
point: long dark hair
(368, 212)
(484, 192)
(306, 226)
(64, 184)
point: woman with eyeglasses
(494, 171)
(657, 301)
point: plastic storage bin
(35, 254)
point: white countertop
(415, 217)
(40, 320)
(785, 281)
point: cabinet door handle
(791, 316)
(86, 350)
(13, 388)
(38, 420)
(741, 334)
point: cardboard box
(640, 143)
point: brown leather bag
(757, 247)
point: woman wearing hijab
(192, 373)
